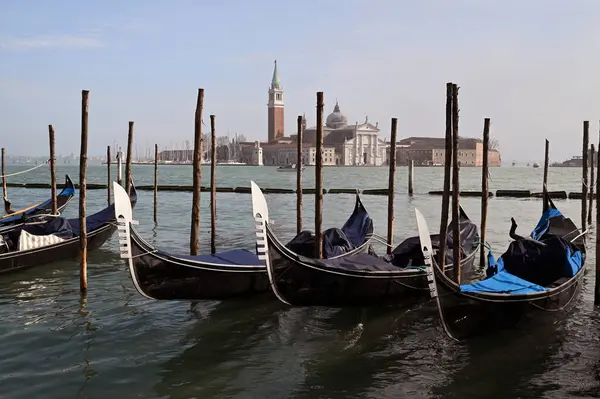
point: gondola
(236, 273)
(539, 275)
(40, 210)
(360, 279)
(43, 242)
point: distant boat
(289, 168)
(536, 165)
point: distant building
(251, 154)
(430, 151)
(287, 154)
(176, 156)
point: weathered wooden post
(484, 188)
(4, 193)
(197, 174)
(108, 174)
(456, 261)
(597, 286)
(411, 183)
(119, 166)
(592, 183)
(446, 192)
(319, 179)
(52, 170)
(391, 185)
(82, 192)
(299, 165)
(584, 182)
(545, 182)
(129, 158)
(155, 183)
(213, 186)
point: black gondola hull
(100, 227)
(301, 284)
(160, 276)
(467, 315)
(164, 276)
(68, 249)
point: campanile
(275, 107)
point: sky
(532, 66)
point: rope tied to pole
(25, 171)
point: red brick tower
(275, 106)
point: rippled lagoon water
(115, 343)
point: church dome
(336, 119)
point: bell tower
(275, 107)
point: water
(117, 344)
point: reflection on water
(114, 343)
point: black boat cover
(336, 241)
(409, 251)
(406, 255)
(539, 264)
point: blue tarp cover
(503, 283)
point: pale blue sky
(529, 65)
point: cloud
(66, 42)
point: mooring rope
(25, 171)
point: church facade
(355, 145)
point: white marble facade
(365, 148)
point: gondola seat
(29, 241)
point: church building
(355, 145)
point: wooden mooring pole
(592, 184)
(391, 185)
(411, 182)
(545, 181)
(484, 188)
(52, 170)
(129, 158)
(299, 165)
(319, 179)
(213, 186)
(446, 192)
(119, 166)
(197, 174)
(155, 183)
(4, 193)
(597, 285)
(456, 261)
(108, 174)
(82, 192)
(584, 179)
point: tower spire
(275, 83)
